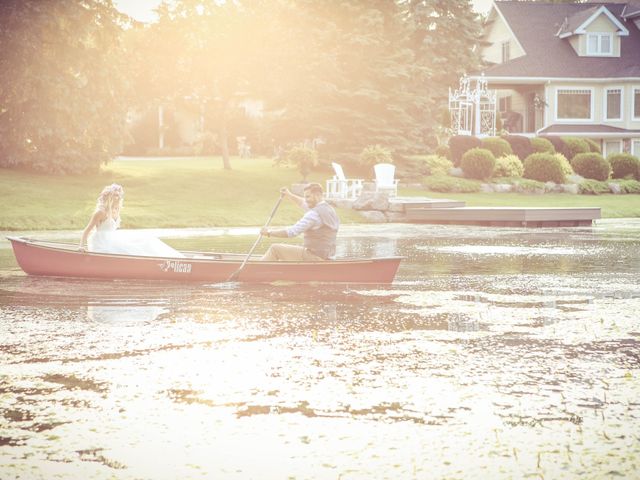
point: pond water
(496, 353)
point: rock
(572, 188)
(395, 206)
(364, 201)
(553, 187)
(486, 188)
(342, 202)
(373, 216)
(615, 188)
(456, 172)
(502, 187)
(575, 178)
(368, 187)
(395, 217)
(380, 202)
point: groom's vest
(322, 241)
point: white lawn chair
(384, 179)
(341, 187)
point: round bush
(374, 154)
(508, 166)
(478, 163)
(520, 145)
(591, 165)
(498, 146)
(305, 158)
(443, 151)
(542, 145)
(573, 146)
(557, 142)
(564, 163)
(436, 165)
(593, 146)
(461, 144)
(624, 165)
(543, 167)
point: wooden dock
(505, 216)
(404, 204)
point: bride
(106, 238)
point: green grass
(187, 192)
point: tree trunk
(224, 144)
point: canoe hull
(46, 259)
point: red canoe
(37, 257)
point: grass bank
(187, 192)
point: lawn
(187, 192)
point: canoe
(57, 259)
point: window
(636, 103)
(505, 104)
(574, 104)
(611, 147)
(599, 44)
(635, 148)
(613, 104)
(506, 52)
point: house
(566, 69)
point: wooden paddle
(234, 276)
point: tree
(62, 86)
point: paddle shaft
(235, 274)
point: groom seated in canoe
(319, 224)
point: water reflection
(498, 359)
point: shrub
(542, 145)
(508, 166)
(374, 154)
(443, 151)
(543, 167)
(461, 144)
(593, 146)
(574, 146)
(557, 142)
(564, 163)
(593, 187)
(478, 163)
(591, 165)
(520, 145)
(629, 186)
(498, 146)
(446, 184)
(305, 158)
(624, 165)
(526, 185)
(436, 165)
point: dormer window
(599, 44)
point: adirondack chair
(384, 178)
(341, 187)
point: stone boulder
(572, 188)
(615, 188)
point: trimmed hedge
(624, 165)
(478, 163)
(593, 187)
(564, 163)
(508, 166)
(574, 146)
(498, 146)
(542, 145)
(446, 184)
(520, 145)
(543, 167)
(461, 144)
(436, 165)
(557, 142)
(591, 165)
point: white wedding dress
(106, 238)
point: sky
(142, 10)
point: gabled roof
(582, 128)
(631, 10)
(535, 26)
(579, 21)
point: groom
(319, 224)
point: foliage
(526, 185)
(478, 163)
(443, 183)
(542, 145)
(593, 146)
(437, 165)
(304, 158)
(498, 146)
(624, 165)
(543, 167)
(591, 165)
(443, 151)
(461, 144)
(63, 90)
(374, 154)
(573, 146)
(557, 142)
(567, 169)
(508, 166)
(520, 145)
(593, 187)
(629, 186)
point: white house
(567, 69)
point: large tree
(62, 86)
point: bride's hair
(110, 197)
